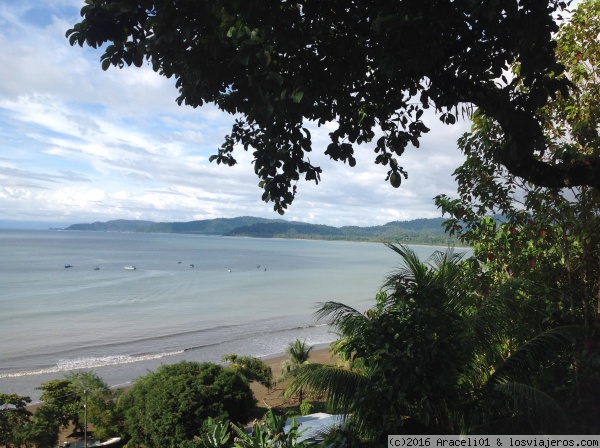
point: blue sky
(78, 144)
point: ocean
(193, 298)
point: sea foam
(65, 365)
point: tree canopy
(169, 406)
(369, 69)
(251, 368)
(13, 414)
(517, 227)
(68, 400)
(548, 239)
(433, 356)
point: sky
(78, 144)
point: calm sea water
(242, 295)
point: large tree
(433, 357)
(549, 236)
(66, 400)
(13, 415)
(519, 229)
(168, 407)
(370, 67)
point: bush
(306, 408)
(251, 368)
(168, 407)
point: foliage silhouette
(368, 69)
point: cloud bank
(81, 145)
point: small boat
(129, 268)
(97, 268)
(179, 262)
(68, 266)
(191, 265)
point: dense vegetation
(220, 226)
(169, 407)
(63, 404)
(435, 356)
(505, 342)
(417, 231)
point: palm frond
(535, 409)
(442, 275)
(412, 267)
(491, 325)
(510, 302)
(347, 320)
(335, 312)
(536, 352)
(338, 385)
(298, 351)
(449, 256)
(446, 266)
(287, 371)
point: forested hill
(418, 231)
(220, 226)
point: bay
(190, 297)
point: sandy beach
(273, 397)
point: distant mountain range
(417, 231)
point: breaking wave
(89, 362)
(65, 365)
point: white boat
(129, 268)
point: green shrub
(168, 407)
(306, 408)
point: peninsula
(428, 231)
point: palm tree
(433, 357)
(269, 433)
(299, 353)
(251, 368)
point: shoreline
(320, 353)
(69, 319)
(308, 237)
(265, 345)
(265, 398)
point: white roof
(312, 424)
(108, 442)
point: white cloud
(89, 145)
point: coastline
(265, 398)
(320, 354)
